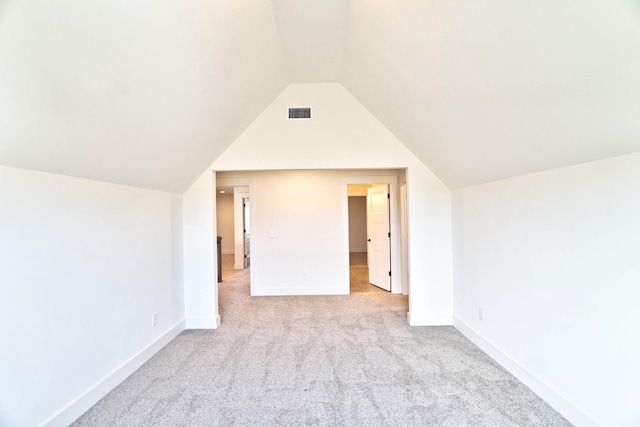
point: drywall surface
(299, 230)
(485, 90)
(200, 269)
(83, 267)
(357, 224)
(342, 134)
(552, 258)
(224, 218)
(145, 94)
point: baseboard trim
(227, 252)
(556, 400)
(83, 403)
(429, 319)
(276, 292)
(202, 322)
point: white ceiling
(149, 93)
(313, 35)
(145, 93)
(483, 90)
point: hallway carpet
(319, 361)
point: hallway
(358, 272)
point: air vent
(299, 112)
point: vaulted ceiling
(149, 92)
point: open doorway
(225, 230)
(233, 221)
(369, 237)
(300, 234)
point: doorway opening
(369, 238)
(298, 231)
(233, 221)
(377, 235)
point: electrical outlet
(305, 274)
(154, 319)
(481, 313)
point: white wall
(357, 224)
(552, 258)
(200, 261)
(224, 218)
(341, 135)
(306, 208)
(83, 266)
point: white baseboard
(429, 319)
(358, 249)
(273, 292)
(238, 266)
(227, 252)
(557, 401)
(83, 403)
(202, 322)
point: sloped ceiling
(149, 92)
(145, 93)
(484, 90)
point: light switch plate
(274, 234)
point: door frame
(239, 194)
(248, 185)
(398, 275)
(246, 237)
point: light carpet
(319, 361)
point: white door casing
(246, 228)
(239, 194)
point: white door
(246, 231)
(378, 237)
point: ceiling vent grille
(299, 112)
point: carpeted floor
(320, 361)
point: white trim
(429, 319)
(566, 408)
(335, 290)
(239, 194)
(202, 322)
(404, 238)
(83, 403)
(227, 252)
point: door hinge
(389, 234)
(389, 274)
(388, 195)
(246, 256)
